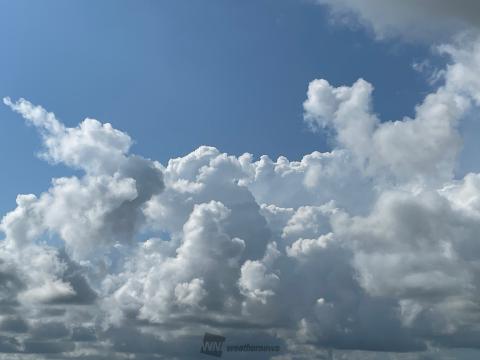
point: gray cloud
(424, 20)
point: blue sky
(179, 74)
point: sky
(179, 74)
(301, 175)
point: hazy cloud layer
(372, 246)
(410, 19)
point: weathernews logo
(213, 345)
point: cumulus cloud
(92, 146)
(423, 148)
(104, 205)
(371, 246)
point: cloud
(425, 20)
(371, 246)
(104, 205)
(92, 146)
(424, 148)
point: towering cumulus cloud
(371, 247)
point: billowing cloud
(370, 247)
(104, 205)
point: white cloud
(104, 206)
(371, 246)
(424, 148)
(92, 146)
